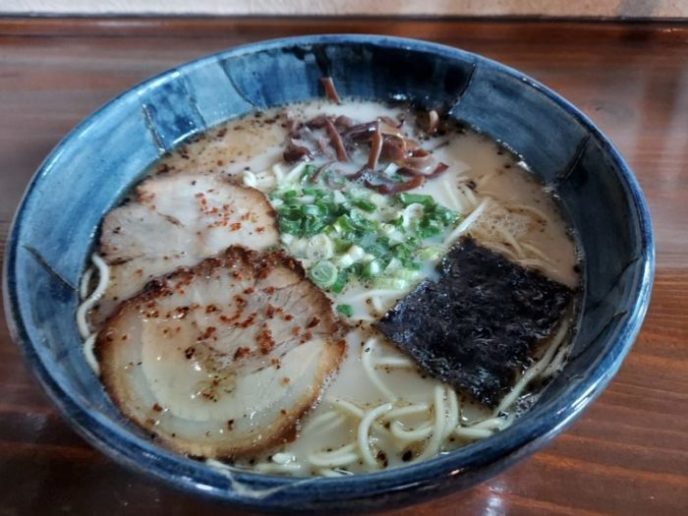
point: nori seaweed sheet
(479, 323)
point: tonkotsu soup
(330, 288)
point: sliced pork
(224, 358)
(177, 221)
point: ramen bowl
(90, 170)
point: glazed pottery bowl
(88, 172)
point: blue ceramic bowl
(90, 169)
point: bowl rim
(408, 483)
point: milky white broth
(479, 170)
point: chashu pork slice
(177, 221)
(222, 359)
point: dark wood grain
(627, 454)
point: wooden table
(627, 454)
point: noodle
(453, 197)
(418, 434)
(85, 283)
(493, 423)
(321, 420)
(348, 408)
(379, 299)
(529, 209)
(468, 193)
(433, 446)
(453, 414)
(87, 304)
(483, 429)
(534, 262)
(400, 362)
(504, 250)
(472, 433)
(89, 353)
(333, 425)
(556, 363)
(533, 371)
(410, 410)
(366, 360)
(377, 304)
(486, 179)
(335, 459)
(353, 411)
(327, 472)
(363, 431)
(269, 467)
(511, 241)
(534, 250)
(280, 463)
(468, 221)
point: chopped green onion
(445, 215)
(312, 209)
(346, 310)
(289, 226)
(351, 233)
(408, 198)
(290, 194)
(414, 265)
(367, 240)
(295, 173)
(309, 190)
(393, 265)
(344, 224)
(430, 253)
(364, 205)
(371, 269)
(391, 283)
(341, 245)
(378, 248)
(319, 247)
(308, 171)
(407, 274)
(429, 227)
(378, 199)
(340, 283)
(324, 274)
(353, 255)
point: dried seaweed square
(479, 323)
